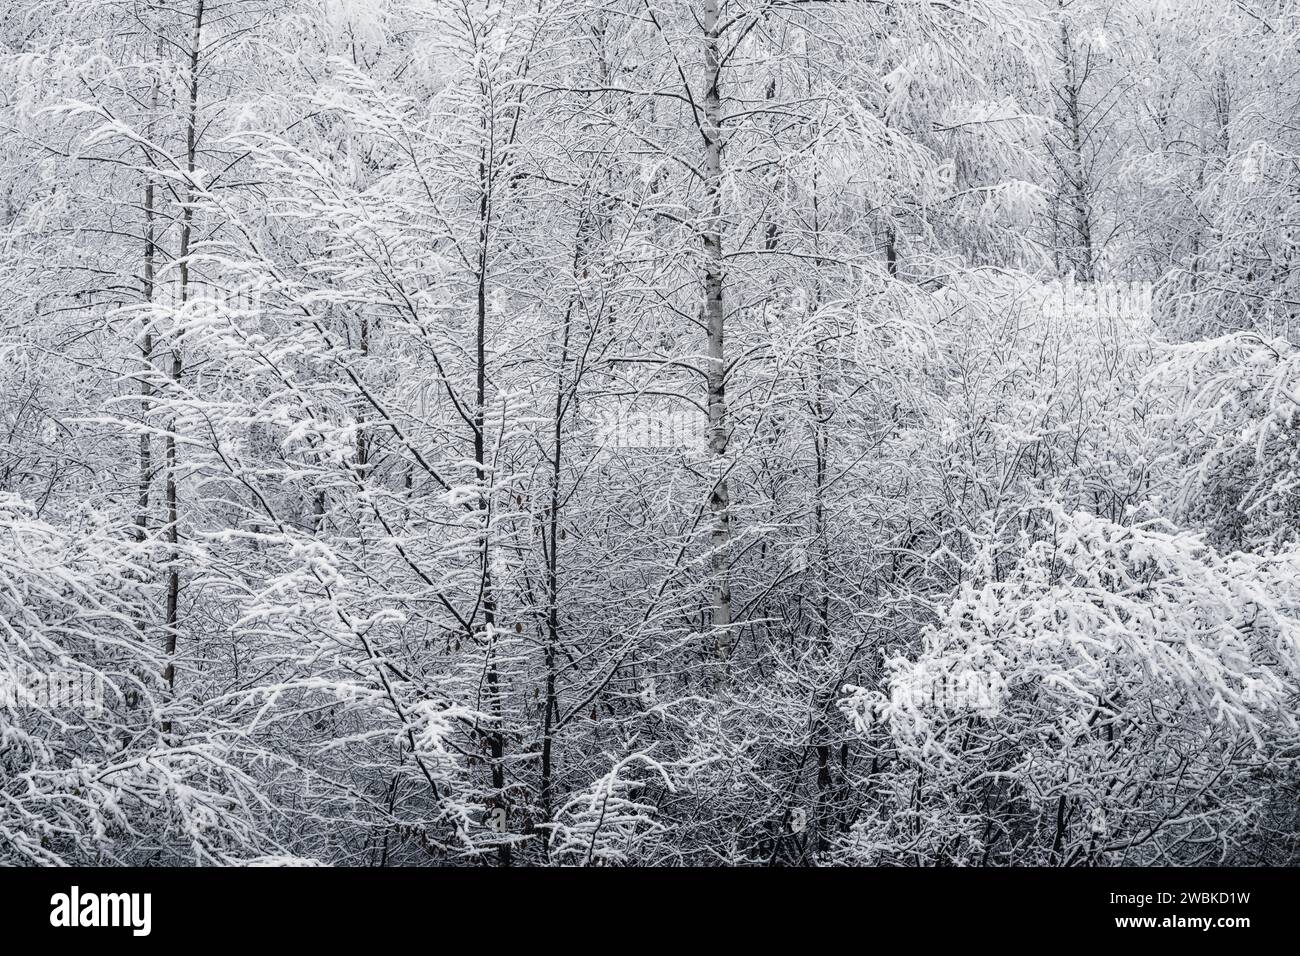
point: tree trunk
(714, 317)
(145, 455)
(496, 738)
(174, 373)
(1075, 170)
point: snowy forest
(649, 432)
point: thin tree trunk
(363, 441)
(823, 707)
(146, 346)
(187, 224)
(553, 581)
(496, 738)
(714, 316)
(1076, 171)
